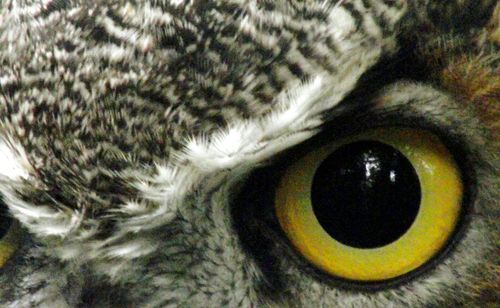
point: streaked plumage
(129, 126)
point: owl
(249, 153)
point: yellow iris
(9, 242)
(438, 213)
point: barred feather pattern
(128, 125)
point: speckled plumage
(129, 125)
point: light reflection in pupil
(366, 194)
(392, 176)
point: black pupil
(5, 220)
(366, 194)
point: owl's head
(243, 153)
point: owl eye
(374, 206)
(9, 235)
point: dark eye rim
(5, 220)
(269, 177)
